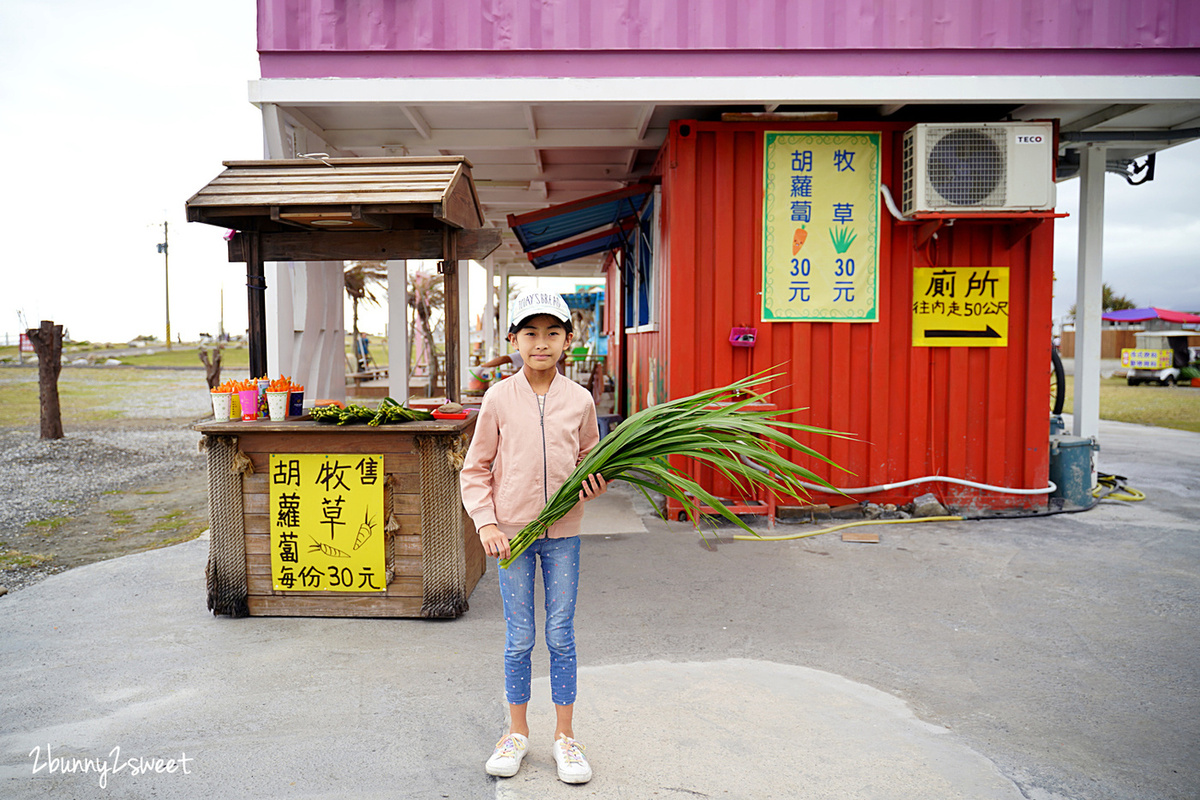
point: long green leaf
(716, 427)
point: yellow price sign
(960, 307)
(821, 227)
(327, 521)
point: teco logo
(1030, 138)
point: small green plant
(16, 558)
(120, 517)
(842, 238)
(48, 525)
(171, 521)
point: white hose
(930, 479)
(891, 204)
(883, 487)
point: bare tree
(212, 368)
(426, 293)
(47, 343)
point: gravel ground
(151, 442)
(39, 477)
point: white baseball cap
(533, 302)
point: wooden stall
(433, 557)
(421, 557)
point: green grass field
(1165, 406)
(232, 358)
(107, 393)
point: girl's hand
(494, 542)
(593, 486)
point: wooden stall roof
(340, 194)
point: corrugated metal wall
(980, 414)
(465, 25)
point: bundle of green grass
(717, 427)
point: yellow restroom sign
(960, 307)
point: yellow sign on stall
(327, 521)
(821, 227)
(960, 307)
(1142, 358)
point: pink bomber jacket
(519, 456)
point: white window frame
(656, 265)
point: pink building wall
(598, 38)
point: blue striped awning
(603, 241)
(540, 229)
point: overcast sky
(115, 113)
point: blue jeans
(560, 577)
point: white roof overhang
(536, 142)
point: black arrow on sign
(986, 333)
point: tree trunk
(47, 343)
(212, 369)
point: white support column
(503, 309)
(280, 315)
(464, 323)
(305, 321)
(279, 275)
(489, 310)
(329, 367)
(274, 133)
(1089, 295)
(397, 278)
(316, 330)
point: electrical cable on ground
(746, 538)
(1113, 487)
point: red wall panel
(980, 414)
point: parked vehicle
(1158, 357)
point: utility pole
(162, 248)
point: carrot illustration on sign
(798, 239)
(327, 549)
(364, 531)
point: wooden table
(433, 555)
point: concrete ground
(1042, 658)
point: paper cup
(263, 409)
(249, 401)
(221, 404)
(277, 405)
(296, 404)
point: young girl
(532, 431)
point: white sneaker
(573, 767)
(506, 759)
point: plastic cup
(222, 402)
(249, 400)
(296, 404)
(277, 405)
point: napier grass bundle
(715, 427)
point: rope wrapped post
(225, 574)
(443, 553)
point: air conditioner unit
(978, 168)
